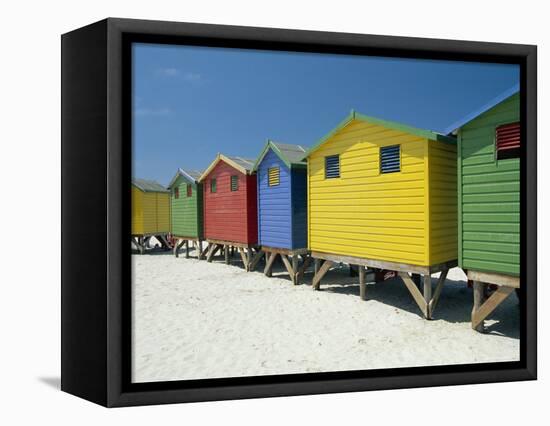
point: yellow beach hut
(150, 213)
(382, 195)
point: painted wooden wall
(150, 212)
(274, 204)
(282, 209)
(187, 212)
(443, 216)
(230, 215)
(365, 213)
(489, 195)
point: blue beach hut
(282, 206)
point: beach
(195, 320)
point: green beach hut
(186, 211)
(489, 200)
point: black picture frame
(96, 170)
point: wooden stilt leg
(316, 265)
(269, 264)
(295, 269)
(212, 252)
(362, 283)
(288, 266)
(489, 306)
(415, 293)
(427, 294)
(178, 244)
(438, 290)
(479, 295)
(199, 249)
(243, 257)
(226, 254)
(316, 283)
(187, 249)
(257, 257)
(302, 270)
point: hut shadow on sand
(455, 304)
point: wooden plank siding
(187, 212)
(489, 207)
(150, 212)
(443, 221)
(137, 211)
(365, 213)
(383, 216)
(274, 204)
(282, 208)
(230, 215)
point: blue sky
(189, 103)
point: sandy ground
(194, 320)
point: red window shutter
(189, 190)
(507, 137)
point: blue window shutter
(390, 159)
(332, 167)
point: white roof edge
(498, 99)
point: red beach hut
(230, 208)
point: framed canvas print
(254, 212)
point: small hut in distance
(230, 209)
(150, 213)
(186, 198)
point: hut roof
(477, 112)
(244, 165)
(291, 155)
(190, 175)
(428, 134)
(148, 185)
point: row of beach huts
(377, 195)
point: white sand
(194, 319)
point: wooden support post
(413, 289)
(269, 264)
(243, 257)
(302, 270)
(257, 257)
(205, 251)
(316, 266)
(141, 245)
(199, 249)
(177, 247)
(226, 253)
(316, 283)
(187, 249)
(295, 269)
(212, 252)
(248, 256)
(427, 293)
(288, 266)
(362, 283)
(209, 249)
(438, 290)
(479, 295)
(488, 306)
